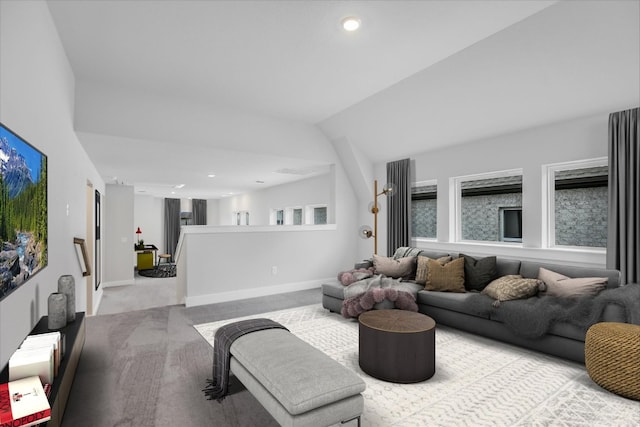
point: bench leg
(348, 421)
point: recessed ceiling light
(178, 186)
(211, 175)
(350, 23)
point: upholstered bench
(296, 383)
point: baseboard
(96, 305)
(253, 292)
(117, 283)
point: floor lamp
(365, 231)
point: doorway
(90, 243)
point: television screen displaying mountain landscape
(23, 211)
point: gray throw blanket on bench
(218, 387)
(533, 317)
(362, 295)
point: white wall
(119, 235)
(213, 216)
(148, 214)
(222, 263)
(37, 102)
(315, 190)
(530, 149)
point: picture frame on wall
(23, 211)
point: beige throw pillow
(421, 271)
(559, 285)
(511, 287)
(396, 268)
(445, 278)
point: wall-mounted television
(23, 211)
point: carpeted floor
(147, 368)
(478, 381)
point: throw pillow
(405, 251)
(445, 278)
(396, 268)
(478, 273)
(421, 270)
(559, 285)
(511, 287)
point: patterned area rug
(160, 271)
(478, 381)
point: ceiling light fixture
(211, 175)
(350, 23)
(178, 186)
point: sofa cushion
(478, 272)
(291, 370)
(505, 267)
(445, 278)
(512, 287)
(397, 268)
(453, 301)
(559, 285)
(333, 288)
(422, 268)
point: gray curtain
(171, 225)
(399, 205)
(623, 240)
(199, 208)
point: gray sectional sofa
(563, 339)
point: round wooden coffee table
(397, 346)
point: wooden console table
(74, 336)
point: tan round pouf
(612, 357)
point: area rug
(478, 381)
(160, 271)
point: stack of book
(38, 355)
(23, 403)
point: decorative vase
(57, 304)
(67, 286)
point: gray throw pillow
(478, 273)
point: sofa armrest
(614, 313)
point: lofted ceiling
(399, 78)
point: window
(240, 218)
(293, 216)
(424, 203)
(511, 224)
(316, 214)
(488, 207)
(276, 217)
(320, 215)
(577, 199)
(297, 216)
